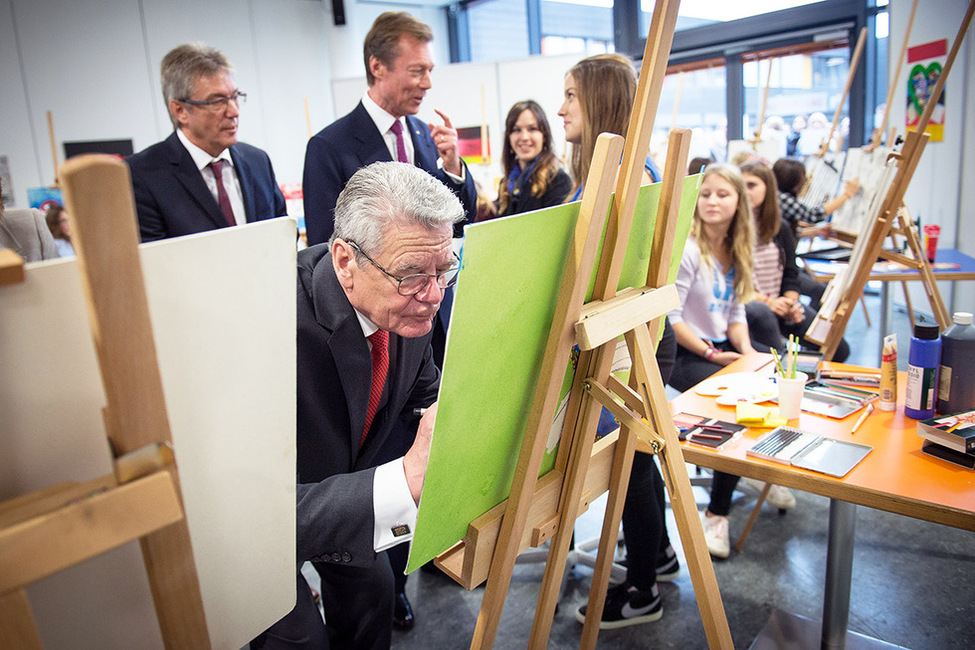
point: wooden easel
(834, 322)
(537, 510)
(49, 530)
(820, 176)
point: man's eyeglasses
(410, 285)
(217, 104)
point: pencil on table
(863, 417)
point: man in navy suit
(200, 178)
(398, 64)
(383, 274)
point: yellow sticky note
(751, 414)
(772, 420)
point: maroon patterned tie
(380, 367)
(222, 197)
(397, 129)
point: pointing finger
(446, 120)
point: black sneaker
(668, 568)
(626, 605)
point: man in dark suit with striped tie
(200, 177)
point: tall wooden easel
(46, 531)
(547, 509)
(830, 324)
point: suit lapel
(369, 144)
(424, 150)
(190, 178)
(348, 346)
(246, 182)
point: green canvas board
(511, 274)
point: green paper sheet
(511, 273)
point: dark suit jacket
(172, 199)
(334, 379)
(556, 192)
(339, 150)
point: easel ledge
(11, 267)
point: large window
(799, 89)
(694, 13)
(693, 97)
(724, 55)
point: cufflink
(399, 531)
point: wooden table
(896, 476)
(964, 269)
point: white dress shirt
(392, 502)
(230, 181)
(384, 121)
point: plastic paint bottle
(923, 363)
(956, 382)
(888, 374)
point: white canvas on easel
(869, 167)
(223, 311)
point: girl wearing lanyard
(533, 177)
(714, 283)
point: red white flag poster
(924, 64)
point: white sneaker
(781, 498)
(716, 535)
(777, 497)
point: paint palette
(737, 387)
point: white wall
(938, 192)
(95, 65)
(101, 81)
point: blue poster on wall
(43, 197)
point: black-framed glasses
(217, 104)
(410, 285)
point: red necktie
(380, 366)
(222, 197)
(397, 129)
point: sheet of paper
(511, 272)
(223, 311)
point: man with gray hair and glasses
(200, 177)
(367, 383)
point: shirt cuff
(454, 177)
(393, 507)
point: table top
(893, 272)
(896, 476)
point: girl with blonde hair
(714, 283)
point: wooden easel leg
(927, 275)
(866, 312)
(674, 470)
(907, 301)
(17, 628)
(740, 544)
(618, 484)
(590, 364)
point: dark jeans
(768, 330)
(809, 287)
(690, 370)
(644, 525)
